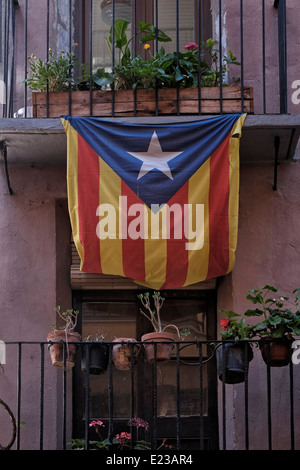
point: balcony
(199, 415)
(259, 42)
(264, 85)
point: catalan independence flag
(156, 203)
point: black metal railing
(263, 61)
(35, 397)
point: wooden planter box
(143, 102)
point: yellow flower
(147, 46)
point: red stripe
(177, 255)
(218, 211)
(133, 251)
(88, 201)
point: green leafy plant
(212, 72)
(52, 74)
(235, 327)
(280, 315)
(165, 70)
(153, 313)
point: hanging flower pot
(57, 338)
(276, 352)
(98, 357)
(233, 361)
(122, 352)
(164, 346)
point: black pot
(233, 361)
(98, 357)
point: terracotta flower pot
(121, 353)
(57, 348)
(232, 363)
(98, 357)
(163, 348)
(277, 351)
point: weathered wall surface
(33, 281)
(268, 252)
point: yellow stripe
(199, 185)
(110, 249)
(155, 249)
(72, 180)
(233, 208)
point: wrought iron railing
(263, 62)
(35, 396)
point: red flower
(225, 324)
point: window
(182, 25)
(169, 391)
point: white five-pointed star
(155, 158)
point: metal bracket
(3, 150)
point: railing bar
(26, 54)
(199, 41)
(7, 23)
(201, 396)
(42, 391)
(70, 50)
(156, 50)
(178, 401)
(264, 54)
(87, 395)
(134, 52)
(246, 390)
(282, 53)
(13, 26)
(291, 370)
(224, 353)
(64, 423)
(220, 56)
(110, 395)
(47, 54)
(177, 54)
(113, 58)
(154, 398)
(19, 387)
(91, 57)
(269, 398)
(242, 52)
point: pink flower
(96, 423)
(123, 438)
(191, 46)
(138, 422)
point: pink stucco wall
(34, 278)
(267, 253)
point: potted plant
(165, 340)
(235, 352)
(280, 322)
(62, 340)
(137, 84)
(95, 353)
(124, 352)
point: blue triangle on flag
(189, 144)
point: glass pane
(167, 20)
(189, 398)
(102, 21)
(189, 314)
(114, 320)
